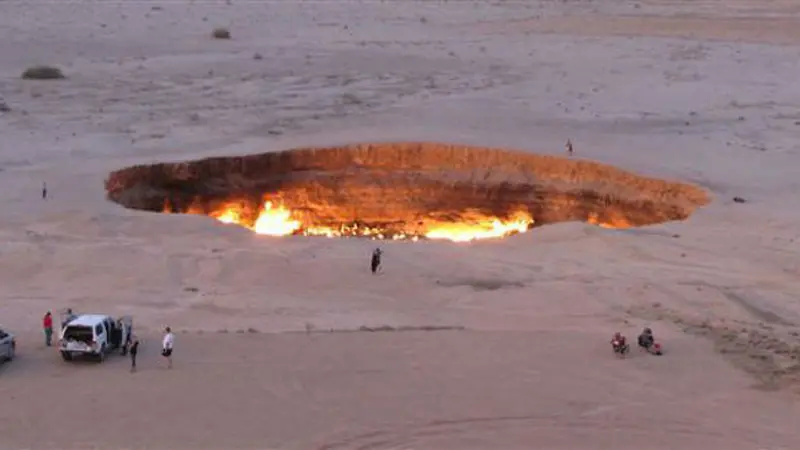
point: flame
(613, 223)
(481, 229)
(277, 220)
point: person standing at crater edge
(376, 260)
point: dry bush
(221, 33)
(43, 73)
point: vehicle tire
(12, 350)
(66, 356)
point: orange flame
(277, 220)
(483, 228)
(613, 223)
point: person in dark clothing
(133, 350)
(44, 191)
(68, 317)
(646, 339)
(376, 260)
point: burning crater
(402, 191)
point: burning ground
(403, 191)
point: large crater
(403, 190)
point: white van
(94, 335)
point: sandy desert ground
(271, 353)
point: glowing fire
(613, 223)
(277, 220)
(481, 229)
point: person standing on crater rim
(376, 260)
(570, 150)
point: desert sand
(290, 343)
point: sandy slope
(532, 367)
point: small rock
(221, 33)
(739, 200)
(258, 57)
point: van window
(98, 329)
(78, 333)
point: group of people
(47, 325)
(130, 346)
(645, 340)
(167, 344)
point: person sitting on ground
(646, 339)
(618, 340)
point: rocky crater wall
(408, 183)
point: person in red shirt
(618, 341)
(47, 324)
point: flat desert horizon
(290, 342)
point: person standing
(570, 149)
(68, 317)
(375, 264)
(44, 191)
(133, 350)
(47, 325)
(167, 345)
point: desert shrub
(43, 73)
(221, 33)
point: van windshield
(79, 333)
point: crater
(403, 190)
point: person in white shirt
(167, 346)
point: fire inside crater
(403, 191)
